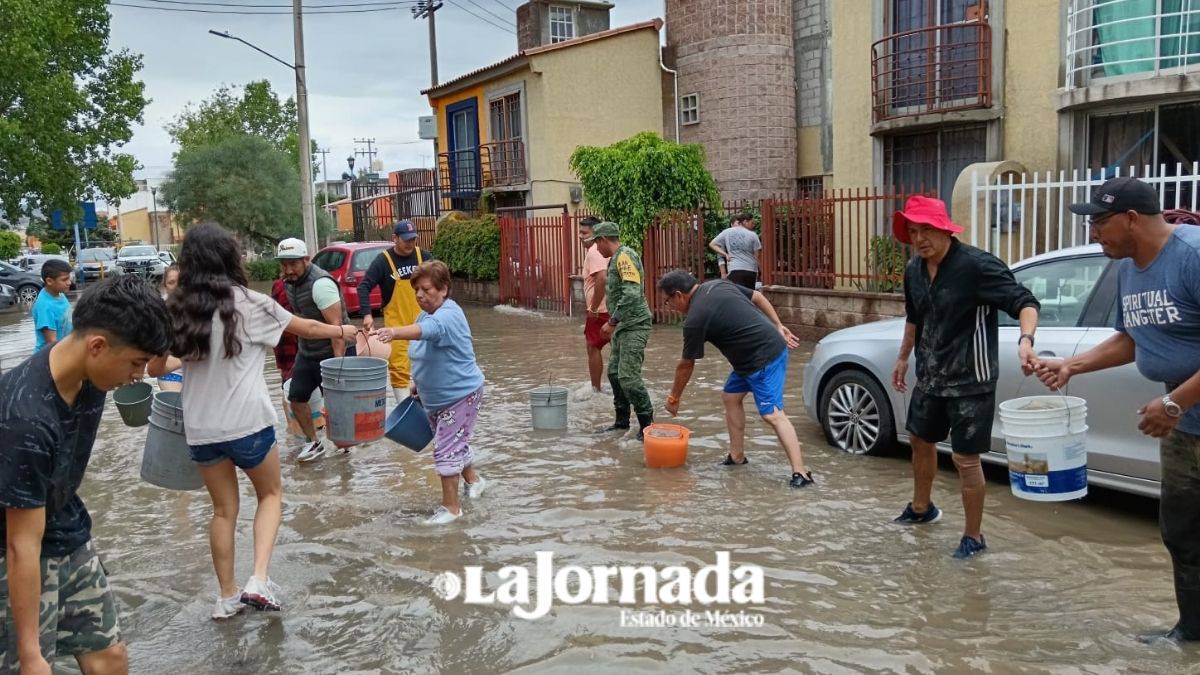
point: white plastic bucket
(1045, 438)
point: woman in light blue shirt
(448, 381)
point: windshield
(137, 251)
(95, 255)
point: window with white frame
(562, 24)
(689, 109)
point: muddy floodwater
(1063, 588)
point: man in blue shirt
(1158, 327)
(51, 310)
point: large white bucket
(1046, 441)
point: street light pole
(306, 180)
(154, 202)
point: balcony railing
(1114, 38)
(932, 70)
(464, 173)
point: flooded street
(1063, 588)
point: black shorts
(306, 377)
(744, 278)
(967, 420)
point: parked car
(25, 284)
(33, 262)
(847, 382)
(348, 264)
(8, 297)
(167, 257)
(93, 263)
(141, 260)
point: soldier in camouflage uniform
(629, 324)
(54, 594)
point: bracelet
(1024, 336)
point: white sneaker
(442, 516)
(475, 490)
(313, 451)
(262, 595)
(225, 608)
(337, 450)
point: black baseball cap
(1119, 195)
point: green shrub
(51, 248)
(470, 248)
(264, 269)
(10, 244)
(885, 261)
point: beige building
(510, 128)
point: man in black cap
(1158, 327)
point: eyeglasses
(1095, 223)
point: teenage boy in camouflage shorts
(54, 593)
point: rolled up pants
(625, 370)
(1179, 519)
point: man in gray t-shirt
(737, 251)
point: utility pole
(324, 175)
(306, 181)
(369, 153)
(425, 9)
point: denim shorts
(246, 452)
(766, 384)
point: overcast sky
(365, 71)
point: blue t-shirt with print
(443, 360)
(1159, 307)
(53, 313)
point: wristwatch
(1173, 409)
(1026, 335)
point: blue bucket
(408, 425)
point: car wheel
(857, 415)
(27, 294)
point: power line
(256, 5)
(255, 12)
(505, 5)
(504, 19)
(483, 19)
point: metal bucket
(133, 402)
(165, 459)
(548, 405)
(355, 398)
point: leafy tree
(65, 238)
(10, 244)
(66, 103)
(632, 180)
(253, 110)
(51, 248)
(243, 183)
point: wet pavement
(1063, 588)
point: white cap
(291, 249)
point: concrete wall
(479, 292)
(811, 35)
(850, 58)
(1031, 76)
(533, 21)
(596, 93)
(812, 314)
(739, 56)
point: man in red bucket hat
(952, 296)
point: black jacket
(956, 319)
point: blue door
(463, 164)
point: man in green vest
(629, 324)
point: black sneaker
(729, 461)
(800, 480)
(910, 517)
(969, 548)
(1176, 635)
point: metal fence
(405, 195)
(1018, 216)
(1115, 38)
(537, 260)
(932, 69)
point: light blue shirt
(53, 313)
(443, 360)
(1159, 307)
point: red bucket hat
(925, 211)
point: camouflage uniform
(78, 612)
(626, 299)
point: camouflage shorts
(78, 610)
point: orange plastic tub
(666, 446)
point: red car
(348, 264)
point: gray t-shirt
(741, 244)
(1159, 307)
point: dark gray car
(24, 284)
(95, 263)
(847, 382)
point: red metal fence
(537, 259)
(932, 69)
(676, 240)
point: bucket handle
(1060, 392)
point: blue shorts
(766, 384)
(246, 452)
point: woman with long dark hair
(222, 333)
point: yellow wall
(853, 147)
(135, 226)
(809, 159)
(1030, 83)
(596, 93)
(440, 105)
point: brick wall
(738, 55)
(810, 39)
(813, 313)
